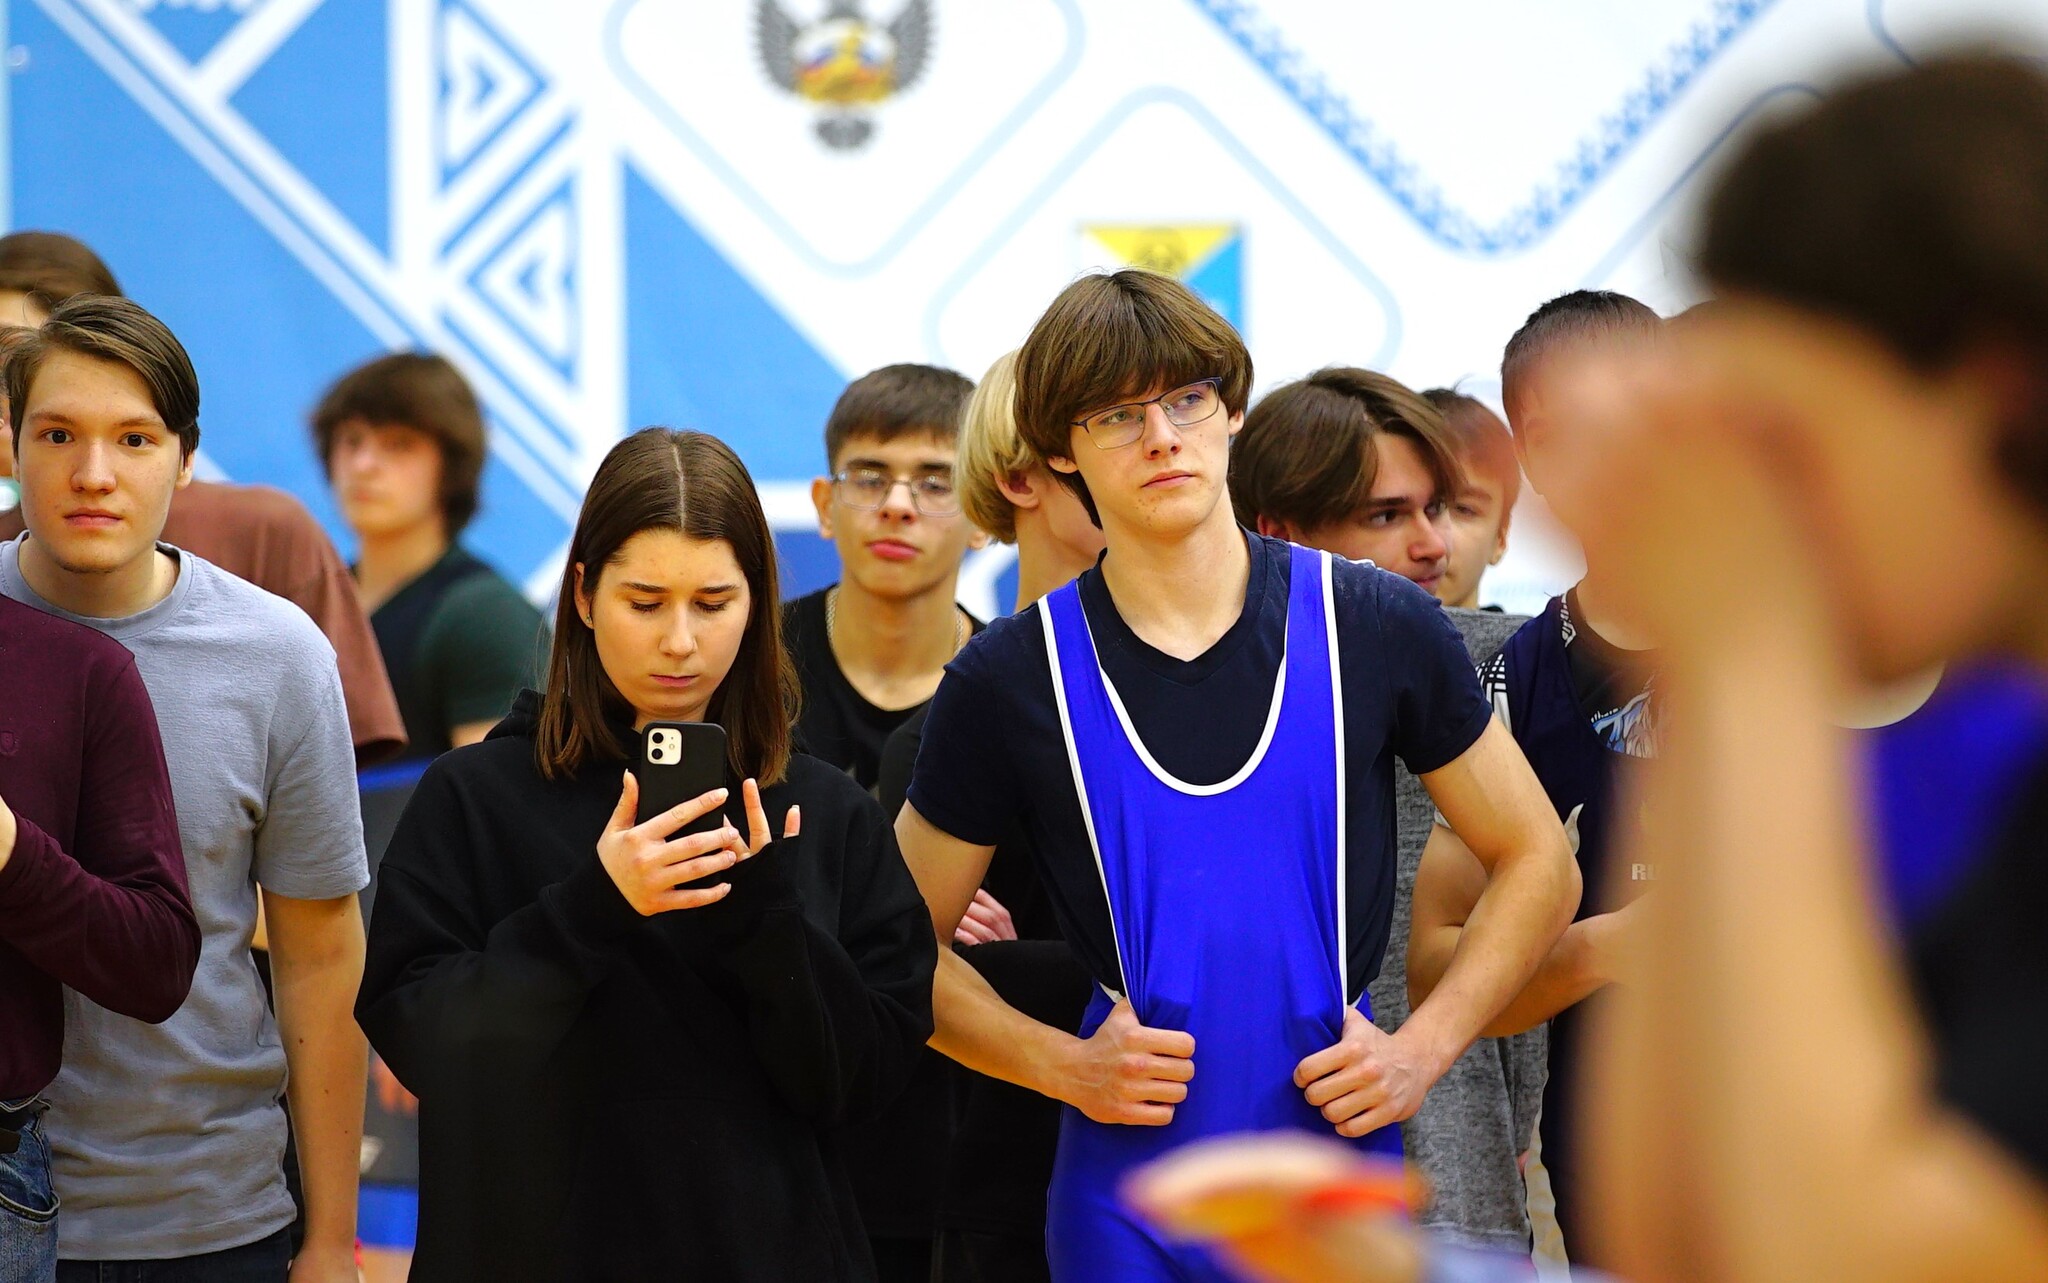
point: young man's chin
(896, 580)
(75, 556)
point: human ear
(1273, 529)
(1500, 538)
(1018, 487)
(582, 599)
(821, 499)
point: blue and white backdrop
(711, 213)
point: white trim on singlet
(1337, 726)
(1159, 772)
(1059, 692)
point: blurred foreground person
(1881, 352)
(1801, 1086)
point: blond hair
(991, 450)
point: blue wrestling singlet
(1227, 902)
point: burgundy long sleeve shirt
(93, 894)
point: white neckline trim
(1343, 821)
(1159, 772)
(1059, 692)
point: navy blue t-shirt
(994, 754)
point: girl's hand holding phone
(652, 872)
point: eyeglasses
(1184, 407)
(867, 489)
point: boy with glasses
(869, 651)
(870, 648)
(1199, 737)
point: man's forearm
(974, 1026)
(1518, 922)
(328, 1060)
(1570, 973)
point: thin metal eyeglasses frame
(1215, 382)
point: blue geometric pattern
(1422, 199)
(529, 280)
(613, 214)
(485, 84)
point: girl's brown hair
(693, 484)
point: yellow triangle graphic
(1174, 249)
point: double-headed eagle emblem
(844, 63)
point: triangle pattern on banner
(484, 85)
(530, 279)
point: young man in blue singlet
(1199, 735)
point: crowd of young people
(1248, 818)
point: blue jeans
(264, 1261)
(28, 1203)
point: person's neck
(115, 594)
(1043, 562)
(388, 562)
(1179, 594)
(1598, 611)
(881, 640)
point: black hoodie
(607, 1096)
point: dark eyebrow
(655, 589)
(58, 416)
(712, 590)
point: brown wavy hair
(1116, 336)
(693, 484)
(426, 393)
(1308, 453)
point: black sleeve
(1041, 978)
(1439, 710)
(443, 992)
(965, 781)
(836, 1020)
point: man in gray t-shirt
(169, 1140)
(1476, 1122)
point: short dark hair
(1112, 336)
(110, 328)
(51, 267)
(895, 401)
(1581, 314)
(1308, 453)
(1914, 205)
(691, 483)
(421, 391)
(1479, 437)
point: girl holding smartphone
(630, 1048)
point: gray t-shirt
(169, 1139)
(1479, 1117)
